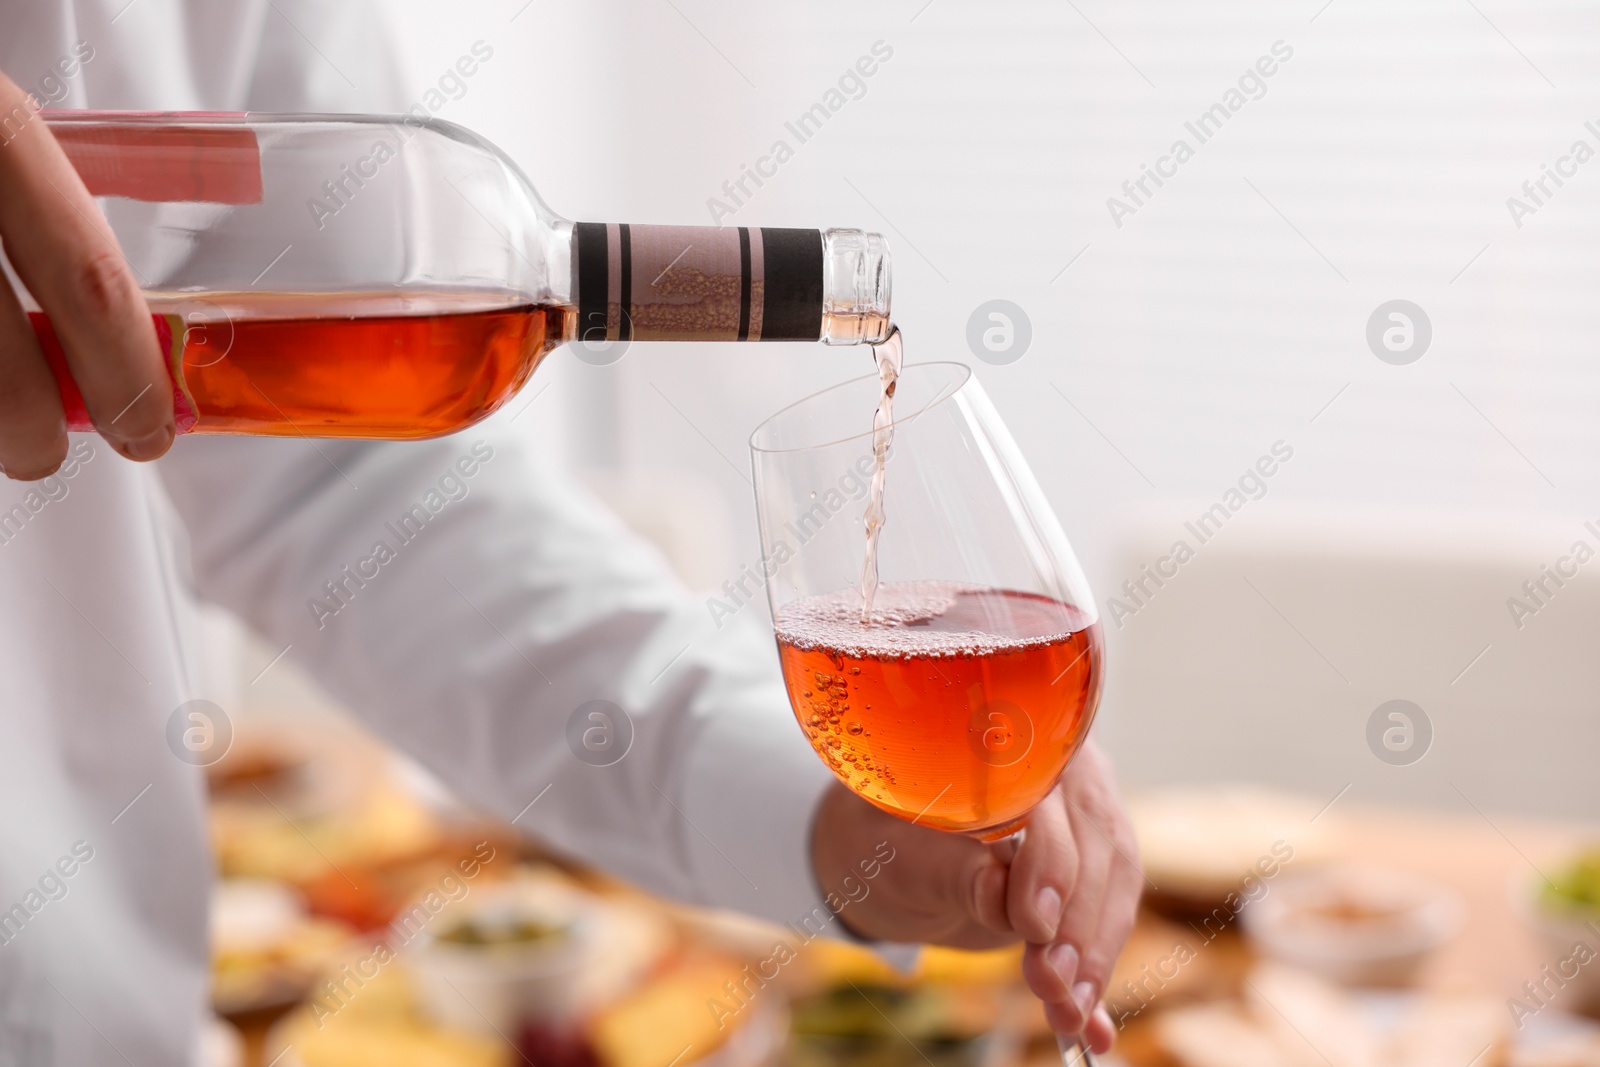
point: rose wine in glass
(959, 699)
(957, 707)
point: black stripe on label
(625, 326)
(589, 244)
(744, 284)
(791, 306)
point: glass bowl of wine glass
(958, 699)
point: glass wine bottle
(395, 277)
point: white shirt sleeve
(465, 599)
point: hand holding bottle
(62, 249)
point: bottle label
(210, 163)
(697, 283)
(170, 335)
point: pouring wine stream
(890, 355)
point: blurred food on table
(364, 919)
(676, 1015)
(1575, 887)
(891, 1026)
(1576, 1051)
(1162, 962)
(1290, 1017)
(266, 949)
(1563, 909)
(1360, 925)
(377, 1024)
(1212, 847)
(509, 954)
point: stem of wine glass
(1073, 1054)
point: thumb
(958, 884)
(987, 884)
(933, 887)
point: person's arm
(467, 600)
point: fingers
(1104, 942)
(1070, 975)
(1044, 872)
(1071, 981)
(64, 252)
(1050, 971)
(33, 431)
(990, 879)
(1082, 924)
(1100, 937)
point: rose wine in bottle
(338, 276)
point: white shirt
(516, 604)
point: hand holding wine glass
(1070, 890)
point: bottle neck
(708, 283)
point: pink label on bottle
(216, 164)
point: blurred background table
(327, 844)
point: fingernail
(149, 446)
(29, 476)
(1105, 1020)
(1063, 959)
(1048, 903)
(1083, 996)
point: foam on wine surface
(927, 618)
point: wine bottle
(399, 277)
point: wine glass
(961, 701)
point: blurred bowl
(1208, 846)
(266, 949)
(507, 956)
(1355, 925)
(1565, 918)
